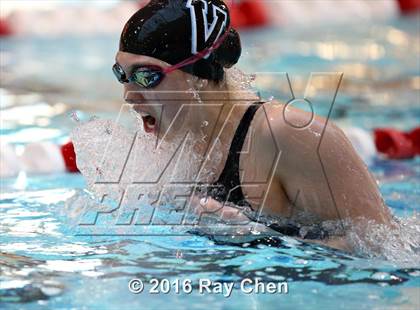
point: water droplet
(415, 273)
(380, 276)
(74, 116)
(301, 262)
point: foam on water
(400, 244)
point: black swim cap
(174, 30)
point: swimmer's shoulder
(292, 128)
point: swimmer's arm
(324, 168)
(206, 208)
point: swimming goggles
(149, 76)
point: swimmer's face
(159, 105)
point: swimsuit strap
(228, 185)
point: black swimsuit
(228, 186)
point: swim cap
(175, 30)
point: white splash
(114, 158)
(400, 244)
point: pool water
(44, 264)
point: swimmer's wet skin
(168, 44)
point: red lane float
(414, 136)
(5, 28)
(247, 14)
(396, 144)
(409, 6)
(69, 157)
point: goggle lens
(147, 77)
(119, 73)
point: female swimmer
(169, 43)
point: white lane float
(48, 158)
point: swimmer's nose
(135, 100)
(133, 96)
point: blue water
(44, 264)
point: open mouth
(149, 122)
